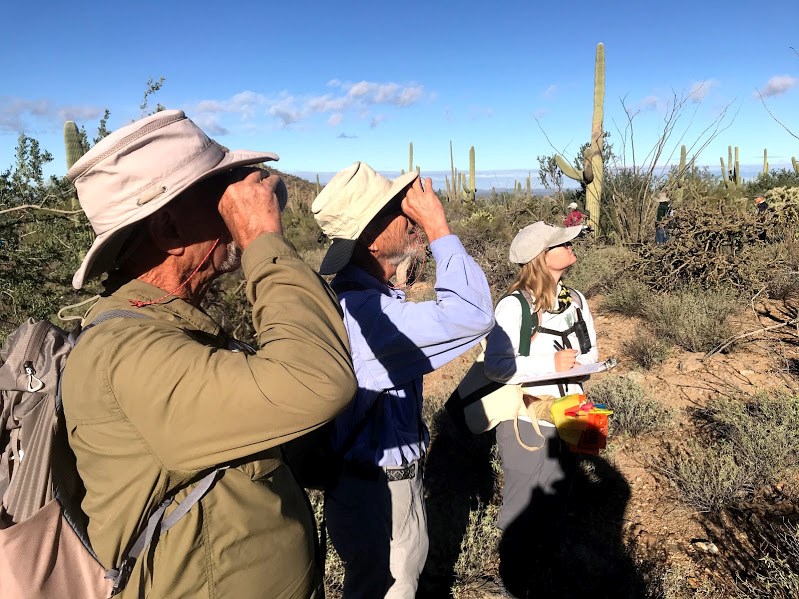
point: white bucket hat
(573, 206)
(347, 204)
(138, 169)
(540, 236)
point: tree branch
(63, 213)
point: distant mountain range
(503, 180)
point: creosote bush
(694, 319)
(762, 430)
(777, 576)
(479, 548)
(597, 267)
(645, 349)
(707, 477)
(628, 297)
(635, 411)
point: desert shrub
(597, 267)
(708, 245)
(479, 551)
(645, 349)
(707, 477)
(694, 319)
(777, 576)
(635, 411)
(762, 430)
(300, 228)
(627, 296)
(774, 178)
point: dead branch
(740, 336)
(41, 208)
(771, 114)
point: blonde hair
(534, 277)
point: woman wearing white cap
(536, 484)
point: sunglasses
(566, 244)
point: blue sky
(325, 84)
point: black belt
(374, 473)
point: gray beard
(233, 258)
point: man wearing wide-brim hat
(156, 395)
(375, 512)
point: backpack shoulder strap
(528, 326)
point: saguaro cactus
(591, 176)
(410, 157)
(454, 173)
(731, 174)
(470, 192)
(765, 161)
(795, 164)
(73, 143)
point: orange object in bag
(582, 425)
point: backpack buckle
(121, 575)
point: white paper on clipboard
(577, 371)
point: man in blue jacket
(375, 513)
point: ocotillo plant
(765, 161)
(680, 175)
(731, 174)
(591, 176)
(470, 192)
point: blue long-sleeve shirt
(394, 343)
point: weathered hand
(251, 206)
(424, 208)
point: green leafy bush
(635, 411)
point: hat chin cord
(141, 304)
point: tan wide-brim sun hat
(540, 236)
(347, 204)
(138, 169)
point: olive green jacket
(152, 404)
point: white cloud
(376, 120)
(288, 109)
(700, 90)
(17, 113)
(649, 103)
(550, 92)
(779, 85)
(210, 124)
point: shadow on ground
(569, 543)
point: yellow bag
(582, 425)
